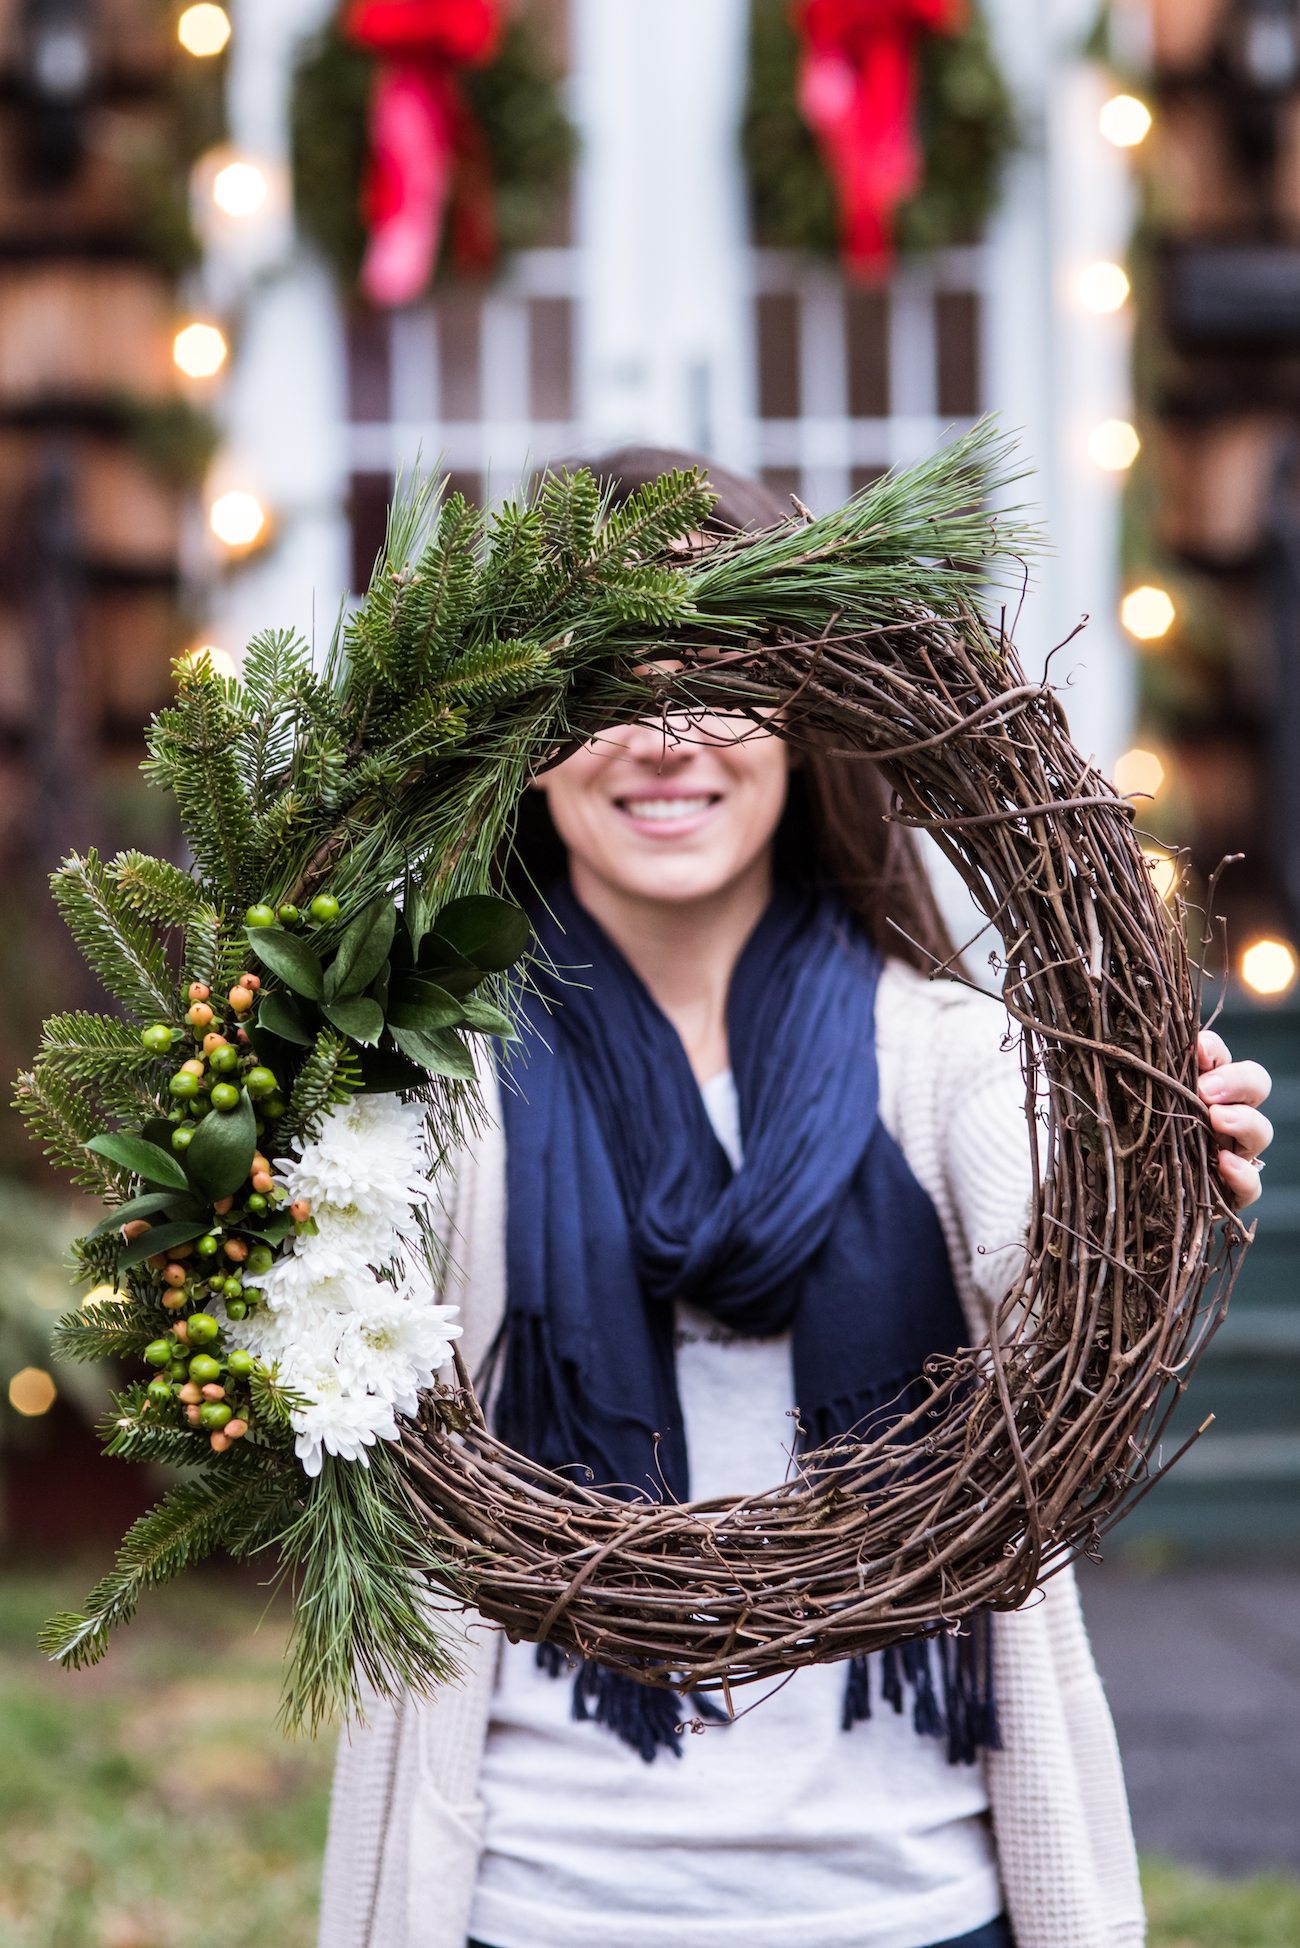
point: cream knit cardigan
(406, 1821)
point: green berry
(274, 1107)
(223, 1059)
(255, 1202)
(236, 1309)
(214, 1416)
(178, 1371)
(261, 1082)
(324, 909)
(184, 1086)
(240, 1364)
(159, 1393)
(289, 916)
(260, 916)
(259, 1260)
(200, 1109)
(204, 1370)
(252, 1295)
(157, 1037)
(209, 1246)
(232, 1287)
(159, 1351)
(201, 1328)
(182, 1136)
(225, 1096)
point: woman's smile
(667, 814)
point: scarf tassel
(951, 1682)
(643, 1716)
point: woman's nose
(664, 744)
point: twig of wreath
(1029, 1447)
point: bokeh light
(1125, 121)
(239, 188)
(1104, 287)
(1163, 868)
(1268, 967)
(32, 1391)
(1147, 613)
(237, 518)
(204, 29)
(199, 350)
(219, 660)
(1114, 444)
(1139, 773)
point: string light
(1104, 287)
(1125, 121)
(1138, 773)
(1268, 967)
(199, 350)
(239, 188)
(1163, 868)
(32, 1392)
(1114, 445)
(237, 518)
(102, 1295)
(204, 29)
(1147, 613)
(220, 661)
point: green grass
(151, 1802)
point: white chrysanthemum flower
(332, 1421)
(314, 1274)
(394, 1347)
(368, 1158)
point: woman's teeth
(665, 809)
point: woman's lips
(668, 817)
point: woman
(670, 1269)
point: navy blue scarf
(621, 1202)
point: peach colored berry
(175, 1275)
(172, 1299)
(192, 1067)
(214, 1392)
(218, 1442)
(182, 1331)
(240, 998)
(199, 991)
(189, 1395)
(300, 1209)
(236, 1250)
(136, 1229)
(178, 1252)
(253, 981)
(192, 1416)
(199, 1016)
(222, 1205)
(236, 1429)
(214, 1041)
(263, 1181)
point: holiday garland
(965, 128)
(517, 159)
(273, 1111)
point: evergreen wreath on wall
(505, 184)
(287, 1072)
(965, 125)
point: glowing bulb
(1147, 613)
(32, 1391)
(1163, 868)
(219, 661)
(1268, 967)
(1104, 287)
(1125, 121)
(102, 1295)
(239, 188)
(237, 518)
(203, 29)
(1138, 774)
(199, 351)
(1114, 445)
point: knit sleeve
(986, 1141)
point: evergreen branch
(202, 953)
(193, 753)
(493, 672)
(155, 888)
(92, 1048)
(330, 1074)
(60, 1120)
(361, 1620)
(233, 1508)
(277, 664)
(115, 1330)
(127, 957)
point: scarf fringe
(643, 1716)
(950, 1679)
(951, 1682)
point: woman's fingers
(1240, 1178)
(1211, 1050)
(1248, 1128)
(1235, 1082)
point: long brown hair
(835, 812)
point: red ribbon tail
(408, 182)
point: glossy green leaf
(291, 960)
(272, 1231)
(161, 1238)
(143, 1159)
(487, 1020)
(147, 1206)
(383, 1072)
(280, 1014)
(493, 933)
(221, 1155)
(441, 962)
(356, 1016)
(438, 1051)
(362, 951)
(423, 1004)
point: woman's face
(675, 814)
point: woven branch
(1030, 1447)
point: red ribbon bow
(857, 92)
(426, 152)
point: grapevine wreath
(290, 1073)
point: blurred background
(256, 260)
